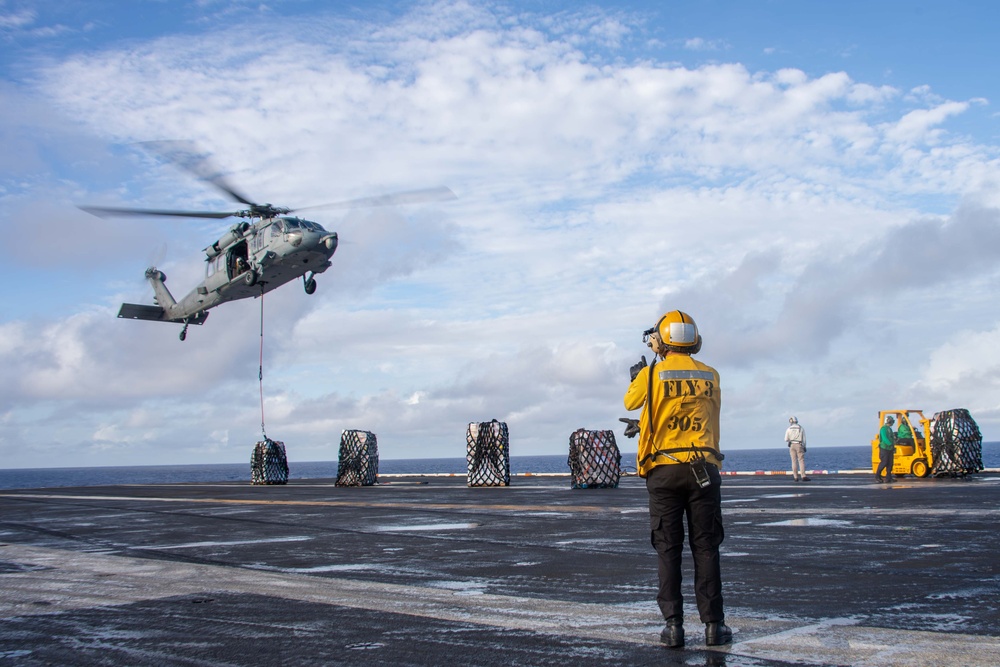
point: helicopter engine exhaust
(235, 233)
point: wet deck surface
(425, 571)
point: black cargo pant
(673, 495)
(886, 460)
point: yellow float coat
(687, 401)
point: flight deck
(426, 571)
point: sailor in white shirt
(795, 438)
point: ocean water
(746, 460)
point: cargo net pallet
(268, 463)
(956, 444)
(488, 453)
(594, 460)
(357, 463)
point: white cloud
(702, 44)
(17, 19)
(966, 353)
(916, 126)
(962, 367)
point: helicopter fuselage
(249, 260)
(270, 253)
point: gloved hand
(635, 368)
(631, 426)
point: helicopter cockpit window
(291, 223)
(276, 228)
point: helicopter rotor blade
(407, 197)
(110, 212)
(185, 154)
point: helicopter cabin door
(236, 260)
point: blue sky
(816, 183)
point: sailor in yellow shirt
(679, 457)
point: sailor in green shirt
(886, 451)
(904, 435)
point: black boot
(717, 634)
(673, 635)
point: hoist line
(260, 369)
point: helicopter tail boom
(165, 310)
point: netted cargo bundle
(594, 460)
(956, 443)
(268, 463)
(358, 461)
(488, 453)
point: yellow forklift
(947, 444)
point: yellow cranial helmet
(675, 332)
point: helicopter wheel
(250, 278)
(310, 286)
(184, 332)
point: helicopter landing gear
(184, 331)
(309, 284)
(250, 278)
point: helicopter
(262, 252)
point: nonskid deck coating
(839, 571)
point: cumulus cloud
(765, 309)
(962, 372)
(916, 126)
